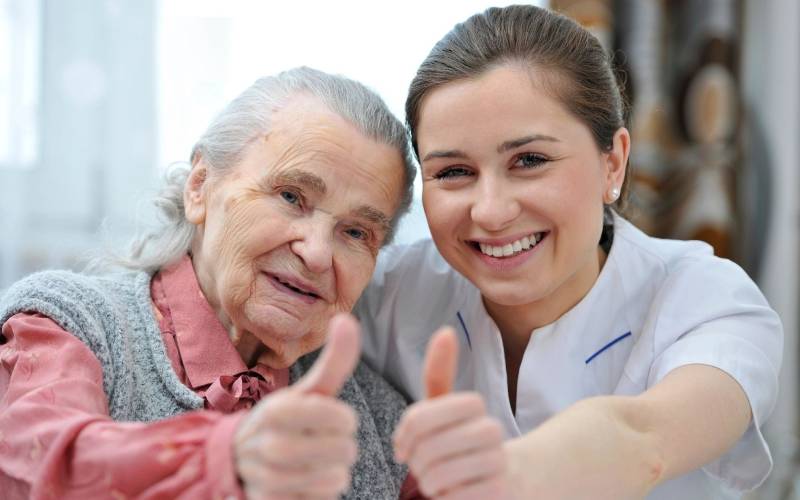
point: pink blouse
(58, 441)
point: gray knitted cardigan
(112, 315)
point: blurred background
(99, 97)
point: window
(20, 35)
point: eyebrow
(303, 178)
(316, 183)
(375, 216)
(452, 153)
(502, 148)
(515, 143)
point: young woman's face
(514, 187)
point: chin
(275, 323)
(509, 295)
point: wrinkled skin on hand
(300, 442)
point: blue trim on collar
(464, 327)
(621, 337)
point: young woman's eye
(530, 160)
(290, 197)
(452, 173)
(356, 233)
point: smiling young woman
(620, 365)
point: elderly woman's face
(289, 236)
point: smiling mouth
(294, 288)
(512, 249)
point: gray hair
(247, 117)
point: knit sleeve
(58, 441)
(386, 406)
(67, 300)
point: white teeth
(515, 247)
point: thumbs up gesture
(452, 447)
(300, 441)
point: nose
(314, 246)
(495, 207)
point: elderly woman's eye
(290, 197)
(356, 233)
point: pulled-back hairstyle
(571, 64)
(249, 116)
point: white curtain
(96, 135)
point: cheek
(352, 275)
(444, 209)
(585, 182)
(241, 229)
(569, 200)
(577, 219)
(242, 238)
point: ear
(616, 161)
(194, 193)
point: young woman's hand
(452, 447)
(300, 441)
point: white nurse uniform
(657, 305)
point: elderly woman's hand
(300, 441)
(451, 445)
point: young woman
(621, 365)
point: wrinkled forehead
(312, 135)
(305, 126)
(317, 148)
(303, 112)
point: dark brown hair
(577, 70)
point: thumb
(338, 359)
(440, 362)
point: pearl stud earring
(613, 194)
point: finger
(270, 480)
(492, 488)
(461, 472)
(301, 450)
(472, 436)
(307, 413)
(327, 483)
(433, 415)
(440, 362)
(338, 359)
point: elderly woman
(127, 383)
